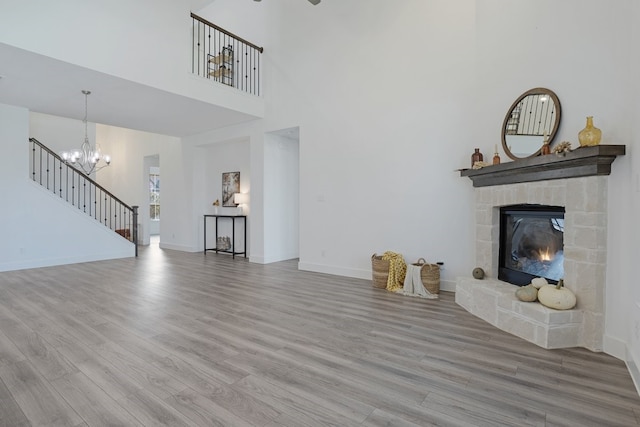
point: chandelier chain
(86, 109)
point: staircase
(82, 192)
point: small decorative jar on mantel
(496, 156)
(546, 149)
(476, 157)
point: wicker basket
(430, 275)
(380, 271)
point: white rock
(538, 282)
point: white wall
(628, 300)
(381, 100)
(128, 179)
(231, 156)
(235, 148)
(39, 229)
(59, 133)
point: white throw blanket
(413, 283)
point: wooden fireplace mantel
(583, 161)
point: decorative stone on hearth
(478, 273)
(527, 293)
(539, 282)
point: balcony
(141, 78)
(223, 57)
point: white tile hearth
(495, 302)
(585, 248)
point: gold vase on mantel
(590, 135)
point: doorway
(282, 195)
(151, 212)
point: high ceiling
(50, 86)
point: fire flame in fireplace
(545, 255)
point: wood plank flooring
(184, 339)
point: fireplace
(531, 243)
(584, 261)
(577, 181)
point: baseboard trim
(619, 349)
(614, 347)
(51, 262)
(176, 247)
(448, 285)
(338, 271)
(269, 260)
(445, 285)
(632, 367)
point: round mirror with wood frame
(534, 115)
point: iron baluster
(47, 170)
(211, 41)
(60, 172)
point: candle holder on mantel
(546, 149)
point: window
(154, 196)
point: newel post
(135, 227)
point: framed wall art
(230, 186)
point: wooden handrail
(229, 33)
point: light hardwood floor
(175, 338)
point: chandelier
(86, 158)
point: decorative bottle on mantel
(496, 156)
(476, 157)
(546, 149)
(590, 135)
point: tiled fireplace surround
(585, 238)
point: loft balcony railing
(80, 191)
(220, 55)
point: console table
(233, 219)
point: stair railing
(78, 189)
(220, 55)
